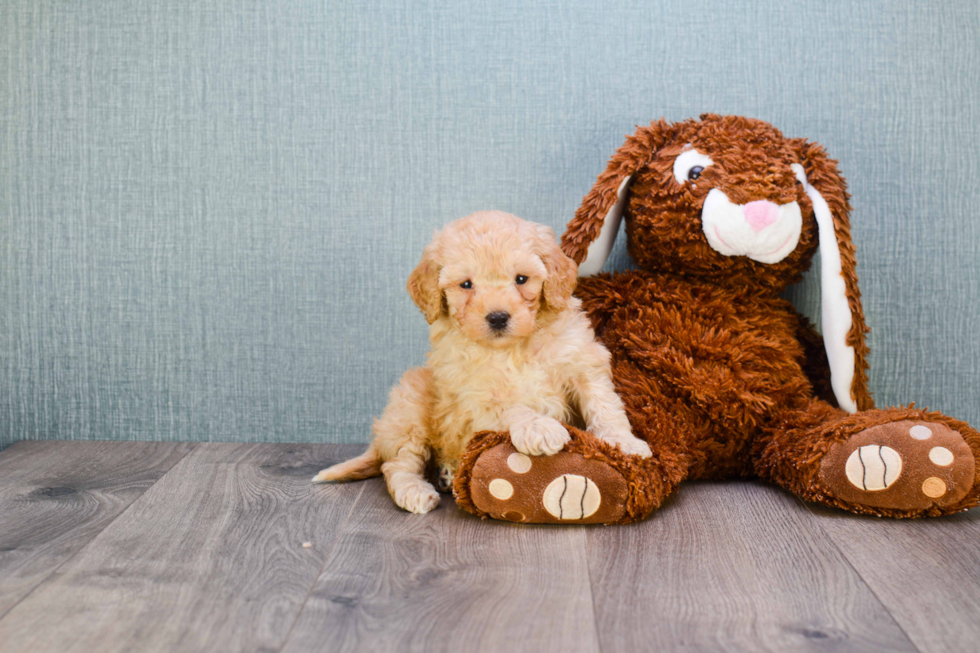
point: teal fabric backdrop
(208, 210)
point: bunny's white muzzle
(763, 231)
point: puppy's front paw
(539, 436)
(624, 439)
(633, 446)
(419, 498)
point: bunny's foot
(565, 487)
(588, 482)
(890, 462)
(912, 465)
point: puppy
(511, 350)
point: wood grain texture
(926, 572)
(732, 567)
(448, 581)
(210, 558)
(56, 496)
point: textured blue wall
(209, 209)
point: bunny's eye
(521, 280)
(466, 285)
(689, 165)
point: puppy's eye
(521, 280)
(689, 165)
(466, 285)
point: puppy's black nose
(498, 320)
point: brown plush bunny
(721, 376)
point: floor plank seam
(326, 559)
(595, 617)
(96, 535)
(857, 573)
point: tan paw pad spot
(873, 467)
(571, 496)
(933, 487)
(501, 489)
(941, 456)
(920, 432)
(519, 463)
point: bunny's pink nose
(760, 214)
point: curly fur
(718, 374)
(545, 367)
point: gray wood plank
(732, 567)
(210, 558)
(925, 571)
(56, 496)
(448, 581)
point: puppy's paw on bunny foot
(630, 445)
(541, 436)
(419, 498)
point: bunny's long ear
(841, 312)
(590, 235)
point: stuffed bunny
(721, 376)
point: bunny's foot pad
(563, 488)
(588, 482)
(905, 465)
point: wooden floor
(125, 546)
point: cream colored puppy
(512, 350)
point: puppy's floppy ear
(590, 235)
(562, 277)
(423, 284)
(840, 298)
